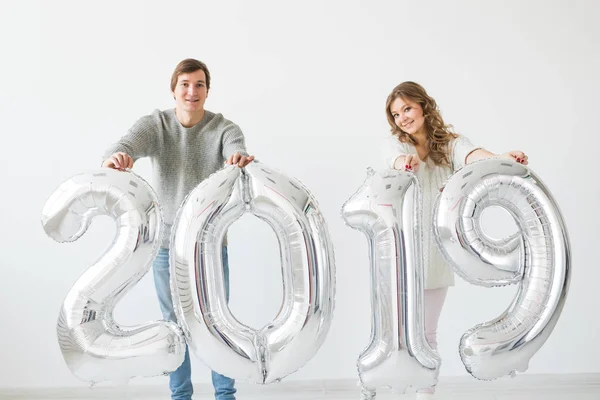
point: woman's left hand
(517, 156)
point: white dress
(432, 178)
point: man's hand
(120, 161)
(240, 160)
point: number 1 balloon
(387, 210)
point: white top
(431, 179)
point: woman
(422, 143)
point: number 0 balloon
(213, 333)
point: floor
(537, 387)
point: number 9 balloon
(94, 346)
(538, 258)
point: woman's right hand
(409, 162)
(120, 161)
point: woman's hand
(516, 155)
(409, 162)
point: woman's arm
(481, 154)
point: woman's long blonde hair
(439, 134)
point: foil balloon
(537, 258)
(387, 209)
(94, 346)
(213, 333)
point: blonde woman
(422, 143)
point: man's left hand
(240, 160)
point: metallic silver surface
(94, 346)
(387, 209)
(307, 260)
(538, 258)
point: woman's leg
(434, 301)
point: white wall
(307, 82)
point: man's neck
(189, 119)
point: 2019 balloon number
(386, 208)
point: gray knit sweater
(181, 157)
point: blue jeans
(181, 379)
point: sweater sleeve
(140, 140)
(233, 141)
(461, 148)
(394, 149)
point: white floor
(524, 387)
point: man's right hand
(120, 161)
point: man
(186, 145)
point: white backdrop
(307, 82)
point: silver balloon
(215, 336)
(387, 209)
(538, 257)
(94, 346)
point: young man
(186, 145)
